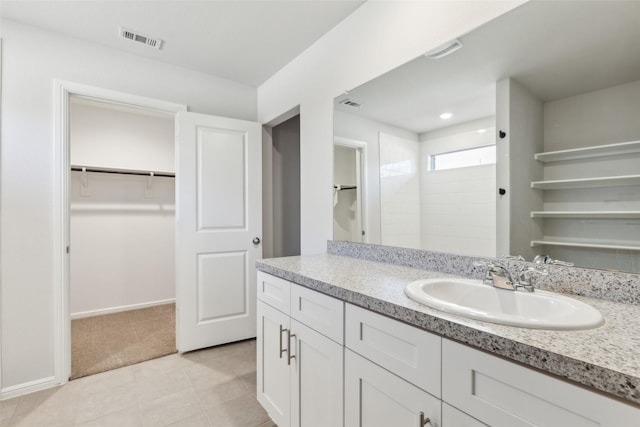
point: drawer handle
(283, 350)
(289, 355)
(424, 420)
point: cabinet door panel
(316, 386)
(374, 397)
(409, 352)
(451, 417)
(272, 369)
(502, 393)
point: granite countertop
(606, 358)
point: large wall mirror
(521, 137)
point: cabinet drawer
(318, 311)
(408, 352)
(502, 393)
(274, 291)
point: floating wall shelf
(586, 214)
(607, 181)
(585, 244)
(589, 152)
(617, 206)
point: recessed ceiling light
(482, 130)
(446, 116)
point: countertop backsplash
(608, 285)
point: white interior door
(218, 219)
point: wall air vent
(350, 103)
(444, 50)
(140, 38)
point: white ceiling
(244, 41)
(554, 48)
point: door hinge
(67, 249)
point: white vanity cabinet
(325, 363)
(300, 349)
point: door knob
(256, 240)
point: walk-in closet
(122, 234)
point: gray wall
(286, 188)
(520, 115)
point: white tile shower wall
(457, 206)
(399, 191)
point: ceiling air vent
(444, 50)
(350, 103)
(140, 38)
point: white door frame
(362, 199)
(61, 293)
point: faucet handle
(488, 265)
(527, 271)
(524, 277)
(541, 259)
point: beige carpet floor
(110, 341)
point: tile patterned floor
(213, 387)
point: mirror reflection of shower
(348, 192)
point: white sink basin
(476, 300)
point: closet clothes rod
(344, 187)
(122, 171)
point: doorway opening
(349, 163)
(281, 187)
(67, 96)
(122, 235)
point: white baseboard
(91, 313)
(28, 387)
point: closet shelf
(76, 168)
(586, 214)
(593, 244)
(607, 181)
(589, 152)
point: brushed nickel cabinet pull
(283, 350)
(424, 420)
(289, 356)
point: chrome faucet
(499, 277)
